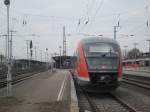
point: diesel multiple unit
(98, 64)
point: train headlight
(119, 78)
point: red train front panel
(85, 76)
(82, 68)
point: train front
(103, 63)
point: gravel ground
(137, 99)
(38, 94)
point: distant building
(65, 62)
(2, 59)
(143, 60)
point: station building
(143, 60)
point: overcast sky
(46, 18)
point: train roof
(98, 39)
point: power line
(96, 12)
(92, 5)
(46, 16)
(136, 28)
(98, 9)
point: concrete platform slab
(46, 92)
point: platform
(44, 92)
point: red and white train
(98, 64)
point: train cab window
(101, 55)
(101, 48)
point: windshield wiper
(111, 54)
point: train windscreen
(102, 56)
(100, 48)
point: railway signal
(7, 2)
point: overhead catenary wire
(84, 19)
(122, 23)
(92, 18)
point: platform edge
(74, 100)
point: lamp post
(9, 75)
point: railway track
(108, 102)
(16, 79)
(136, 82)
(105, 103)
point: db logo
(104, 67)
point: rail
(95, 102)
(17, 78)
(135, 82)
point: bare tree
(134, 53)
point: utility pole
(64, 41)
(115, 30)
(148, 40)
(9, 75)
(35, 53)
(60, 56)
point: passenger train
(98, 64)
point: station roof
(57, 58)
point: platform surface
(45, 92)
